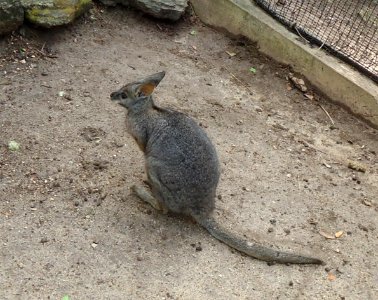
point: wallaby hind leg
(147, 196)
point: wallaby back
(182, 165)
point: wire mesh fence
(346, 28)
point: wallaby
(182, 166)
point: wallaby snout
(118, 95)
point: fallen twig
(326, 112)
(322, 45)
(296, 29)
(240, 81)
(46, 55)
(5, 82)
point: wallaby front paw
(146, 196)
(147, 183)
(132, 188)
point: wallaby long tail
(252, 249)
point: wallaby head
(136, 91)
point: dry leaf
(331, 276)
(327, 235)
(339, 234)
(309, 96)
(312, 221)
(366, 202)
(231, 54)
(299, 83)
(354, 165)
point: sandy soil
(69, 225)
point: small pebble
(56, 184)
(363, 227)
(44, 240)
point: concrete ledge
(340, 82)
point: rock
(44, 240)
(11, 15)
(355, 165)
(299, 83)
(163, 9)
(109, 2)
(50, 13)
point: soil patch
(69, 225)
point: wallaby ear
(148, 84)
(146, 89)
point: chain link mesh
(346, 28)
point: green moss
(63, 12)
(82, 6)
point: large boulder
(49, 13)
(163, 9)
(109, 2)
(11, 15)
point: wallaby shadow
(161, 246)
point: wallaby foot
(146, 196)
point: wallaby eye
(123, 95)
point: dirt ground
(69, 224)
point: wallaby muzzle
(116, 96)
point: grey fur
(182, 166)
